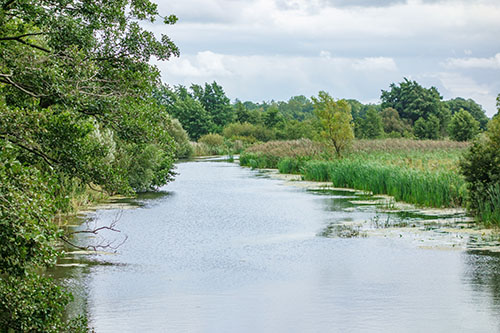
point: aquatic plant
(423, 187)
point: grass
(489, 210)
(423, 187)
(419, 172)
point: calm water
(225, 249)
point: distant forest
(407, 110)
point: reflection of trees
(483, 274)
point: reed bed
(419, 172)
(269, 154)
(437, 188)
(392, 145)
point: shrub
(463, 127)
(212, 144)
(212, 139)
(248, 132)
(182, 147)
(481, 168)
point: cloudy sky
(261, 50)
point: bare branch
(104, 244)
(96, 231)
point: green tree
(180, 104)
(242, 114)
(463, 127)
(214, 100)
(370, 127)
(427, 128)
(272, 117)
(294, 129)
(183, 148)
(498, 107)
(297, 107)
(481, 168)
(475, 110)
(335, 119)
(392, 123)
(412, 101)
(75, 108)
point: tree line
(406, 110)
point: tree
(241, 112)
(214, 100)
(498, 107)
(392, 123)
(463, 127)
(412, 101)
(183, 148)
(272, 117)
(75, 111)
(180, 104)
(481, 169)
(335, 119)
(427, 128)
(297, 107)
(475, 110)
(371, 126)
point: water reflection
(483, 274)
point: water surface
(225, 249)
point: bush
(211, 144)
(248, 132)
(481, 168)
(463, 127)
(212, 140)
(28, 239)
(183, 148)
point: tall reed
(427, 188)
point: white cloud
(458, 85)
(261, 77)
(204, 64)
(273, 49)
(375, 64)
(467, 63)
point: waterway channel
(230, 249)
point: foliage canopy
(336, 121)
(75, 104)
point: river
(227, 249)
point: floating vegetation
(342, 231)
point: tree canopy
(76, 111)
(463, 127)
(336, 121)
(412, 101)
(469, 105)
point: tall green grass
(427, 188)
(488, 211)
